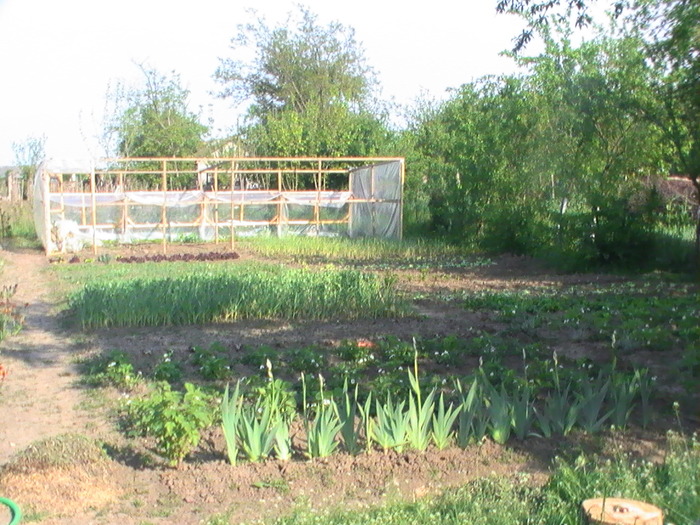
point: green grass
(227, 293)
(17, 224)
(673, 485)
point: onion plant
(420, 410)
(206, 296)
(473, 419)
(591, 404)
(391, 425)
(350, 426)
(323, 429)
(523, 413)
(499, 410)
(231, 405)
(443, 422)
(257, 431)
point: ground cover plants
(671, 485)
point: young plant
(391, 425)
(367, 422)
(473, 419)
(347, 411)
(420, 411)
(167, 370)
(212, 362)
(645, 383)
(278, 396)
(173, 418)
(230, 416)
(624, 390)
(443, 421)
(591, 403)
(499, 411)
(522, 413)
(283, 441)
(256, 431)
(559, 414)
(321, 432)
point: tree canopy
(154, 120)
(308, 86)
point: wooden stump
(621, 511)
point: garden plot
(439, 389)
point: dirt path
(39, 396)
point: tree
(29, 154)
(156, 121)
(539, 12)
(308, 86)
(673, 33)
(296, 64)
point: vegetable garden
(310, 365)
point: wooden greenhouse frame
(223, 189)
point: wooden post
(233, 168)
(351, 205)
(403, 175)
(373, 204)
(46, 188)
(61, 190)
(125, 207)
(279, 204)
(163, 213)
(317, 207)
(93, 201)
(216, 205)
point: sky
(58, 58)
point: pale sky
(58, 57)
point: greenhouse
(174, 200)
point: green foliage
(212, 362)
(11, 319)
(390, 427)
(114, 368)
(551, 163)
(175, 419)
(167, 370)
(231, 404)
(348, 415)
(222, 294)
(310, 86)
(154, 121)
(670, 484)
(420, 411)
(442, 423)
(257, 430)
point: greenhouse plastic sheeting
(381, 182)
(69, 221)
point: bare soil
(42, 397)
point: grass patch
(671, 485)
(229, 294)
(61, 451)
(17, 224)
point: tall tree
(155, 120)
(308, 87)
(673, 32)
